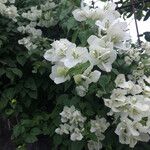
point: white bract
(131, 101)
(102, 53)
(76, 56)
(129, 132)
(8, 10)
(59, 73)
(95, 10)
(73, 123)
(146, 47)
(84, 80)
(98, 127)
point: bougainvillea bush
(70, 73)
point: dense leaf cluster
(29, 101)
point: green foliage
(142, 10)
(30, 99)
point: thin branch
(136, 25)
(134, 3)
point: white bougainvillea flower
(135, 88)
(118, 33)
(121, 81)
(76, 56)
(98, 127)
(81, 90)
(64, 128)
(73, 123)
(3, 1)
(84, 80)
(90, 10)
(59, 50)
(102, 53)
(94, 76)
(93, 145)
(146, 47)
(129, 134)
(88, 13)
(110, 13)
(103, 57)
(147, 79)
(59, 73)
(76, 135)
(66, 114)
(79, 15)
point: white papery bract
(73, 123)
(41, 16)
(129, 132)
(84, 80)
(95, 10)
(59, 49)
(69, 56)
(98, 127)
(146, 47)
(133, 55)
(59, 73)
(8, 10)
(76, 56)
(32, 14)
(67, 52)
(102, 53)
(131, 101)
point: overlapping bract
(8, 9)
(73, 123)
(131, 102)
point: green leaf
(8, 93)
(147, 36)
(63, 99)
(35, 131)
(71, 22)
(77, 145)
(83, 36)
(10, 74)
(57, 139)
(9, 112)
(104, 80)
(18, 130)
(78, 69)
(17, 72)
(2, 71)
(147, 15)
(21, 59)
(30, 138)
(30, 84)
(32, 94)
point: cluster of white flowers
(146, 47)
(65, 56)
(72, 123)
(95, 10)
(98, 127)
(102, 48)
(8, 9)
(111, 28)
(30, 41)
(140, 57)
(133, 54)
(131, 102)
(41, 17)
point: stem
(136, 24)
(127, 6)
